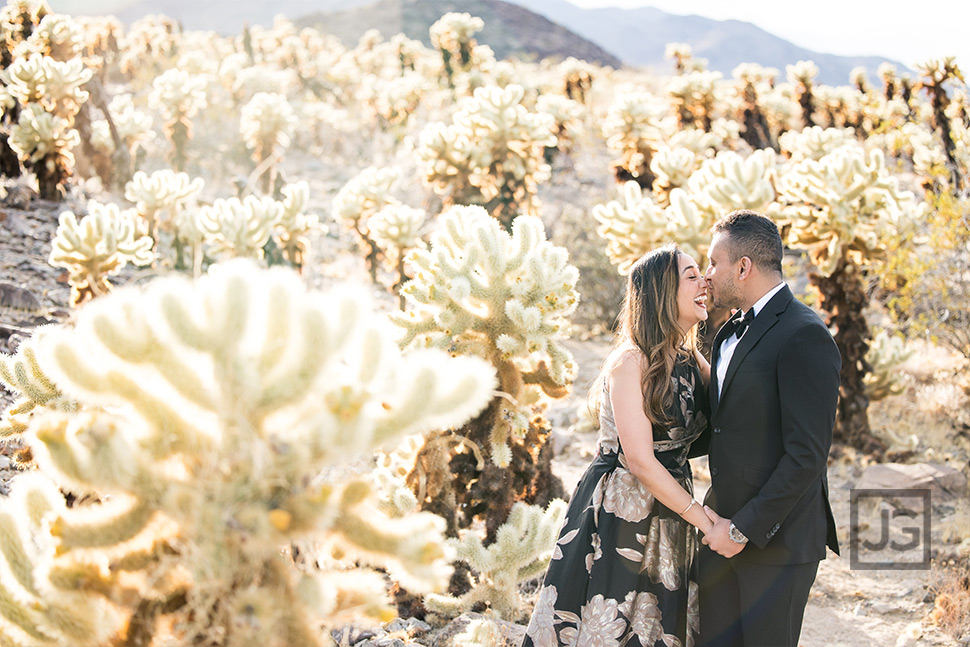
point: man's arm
(808, 389)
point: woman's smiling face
(691, 293)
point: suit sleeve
(700, 447)
(808, 390)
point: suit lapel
(761, 324)
(719, 338)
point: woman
(621, 572)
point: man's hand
(718, 538)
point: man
(774, 389)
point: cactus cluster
(505, 297)
(218, 414)
(492, 154)
(49, 95)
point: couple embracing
(639, 561)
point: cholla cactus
(295, 223)
(22, 374)
(635, 125)
(179, 95)
(885, 354)
(491, 155)
(359, 200)
(577, 78)
(133, 128)
(505, 297)
(754, 80)
(694, 97)
(396, 228)
(802, 74)
(937, 74)
(45, 141)
(452, 35)
(631, 225)
(101, 244)
(49, 91)
(235, 400)
(240, 228)
(397, 99)
(846, 209)
(672, 167)
(521, 551)
(635, 224)
(568, 116)
(815, 142)
(730, 182)
(159, 196)
(267, 123)
(57, 36)
(680, 54)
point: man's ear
(744, 267)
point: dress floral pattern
(622, 573)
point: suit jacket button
(717, 430)
(713, 471)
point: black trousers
(742, 604)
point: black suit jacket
(770, 433)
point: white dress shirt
(729, 344)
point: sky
(908, 31)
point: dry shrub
(951, 590)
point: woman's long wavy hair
(648, 320)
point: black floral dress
(621, 574)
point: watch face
(736, 534)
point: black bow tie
(739, 324)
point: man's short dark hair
(755, 236)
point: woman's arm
(636, 438)
(703, 365)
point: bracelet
(692, 502)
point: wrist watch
(736, 535)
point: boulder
(943, 481)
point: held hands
(718, 538)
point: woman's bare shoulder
(624, 358)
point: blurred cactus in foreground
(220, 416)
(504, 297)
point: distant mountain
(226, 17)
(609, 35)
(510, 30)
(639, 36)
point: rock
(883, 607)
(910, 636)
(944, 482)
(510, 634)
(351, 635)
